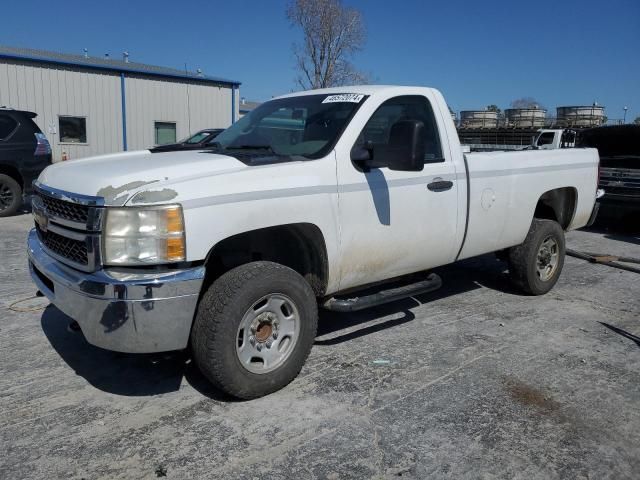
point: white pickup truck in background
(554, 138)
(308, 199)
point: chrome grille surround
(80, 212)
(69, 226)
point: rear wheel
(10, 195)
(254, 329)
(536, 264)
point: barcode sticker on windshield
(344, 97)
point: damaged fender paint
(154, 196)
(118, 195)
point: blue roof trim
(120, 69)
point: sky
(562, 52)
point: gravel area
(471, 381)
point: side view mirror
(404, 152)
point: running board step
(432, 282)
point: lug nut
(275, 335)
(259, 346)
(252, 340)
(269, 343)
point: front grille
(69, 226)
(66, 210)
(74, 250)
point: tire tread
(523, 256)
(211, 322)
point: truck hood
(118, 177)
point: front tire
(10, 195)
(536, 264)
(254, 329)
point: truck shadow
(623, 226)
(458, 278)
(139, 375)
(133, 375)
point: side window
(410, 107)
(545, 138)
(7, 126)
(73, 129)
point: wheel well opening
(300, 247)
(558, 204)
(13, 173)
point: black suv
(619, 150)
(24, 153)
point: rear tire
(536, 264)
(254, 329)
(10, 195)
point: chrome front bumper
(118, 309)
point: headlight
(144, 236)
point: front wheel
(254, 329)
(535, 265)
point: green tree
(637, 121)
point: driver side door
(396, 222)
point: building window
(165, 133)
(73, 129)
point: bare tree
(526, 102)
(332, 35)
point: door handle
(439, 185)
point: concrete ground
(472, 381)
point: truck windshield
(307, 126)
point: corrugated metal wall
(52, 91)
(191, 106)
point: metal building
(91, 106)
(246, 106)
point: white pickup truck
(554, 138)
(303, 202)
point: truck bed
(504, 189)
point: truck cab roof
(361, 89)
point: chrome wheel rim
(6, 197)
(547, 259)
(268, 333)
